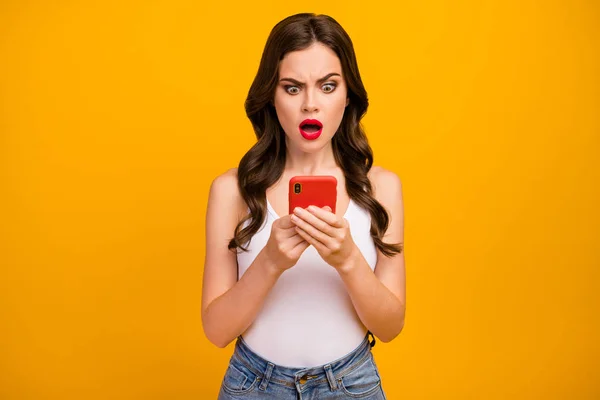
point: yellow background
(116, 116)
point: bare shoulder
(224, 191)
(387, 186)
(227, 181)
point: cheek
(285, 112)
(341, 100)
(335, 104)
(285, 116)
(338, 107)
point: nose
(309, 104)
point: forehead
(311, 63)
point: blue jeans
(354, 376)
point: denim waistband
(302, 378)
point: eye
(287, 89)
(331, 85)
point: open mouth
(311, 128)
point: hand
(328, 233)
(285, 245)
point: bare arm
(230, 306)
(231, 313)
(380, 297)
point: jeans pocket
(362, 381)
(239, 380)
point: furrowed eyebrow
(301, 84)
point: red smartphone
(315, 190)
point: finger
(326, 215)
(311, 230)
(285, 222)
(295, 240)
(299, 249)
(287, 232)
(284, 227)
(311, 240)
(313, 220)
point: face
(310, 86)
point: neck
(321, 162)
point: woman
(303, 292)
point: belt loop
(330, 378)
(372, 343)
(267, 376)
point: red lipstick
(311, 129)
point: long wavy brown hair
(264, 163)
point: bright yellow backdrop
(116, 116)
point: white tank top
(308, 318)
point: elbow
(219, 343)
(217, 340)
(213, 335)
(389, 336)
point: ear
(347, 101)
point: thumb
(285, 222)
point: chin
(312, 146)
(308, 146)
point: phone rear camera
(297, 188)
